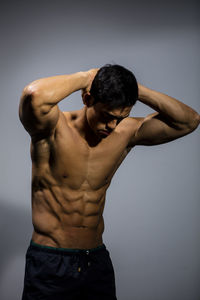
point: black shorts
(66, 274)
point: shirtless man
(74, 157)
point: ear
(88, 100)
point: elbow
(30, 91)
(194, 123)
(197, 120)
(29, 97)
(27, 100)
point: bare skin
(75, 154)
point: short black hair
(115, 86)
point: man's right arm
(38, 109)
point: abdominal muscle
(68, 218)
(69, 183)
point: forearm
(172, 109)
(52, 90)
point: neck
(85, 130)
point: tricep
(36, 116)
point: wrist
(143, 92)
(84, 79)
(88, 78)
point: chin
(103, 137)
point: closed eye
(108, 117)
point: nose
(111, 124)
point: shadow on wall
(15, 233)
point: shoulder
(67, 119)
(129, 126)
(71, 116)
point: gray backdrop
(152, 214)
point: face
(103, 120)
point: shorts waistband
(65, 250)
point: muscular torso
(69, 183)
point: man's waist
(41, 247)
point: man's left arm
(172, 119)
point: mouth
(104, 133)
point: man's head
(115, 86)
(113, 93)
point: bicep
(155, 130)
(37, 118)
